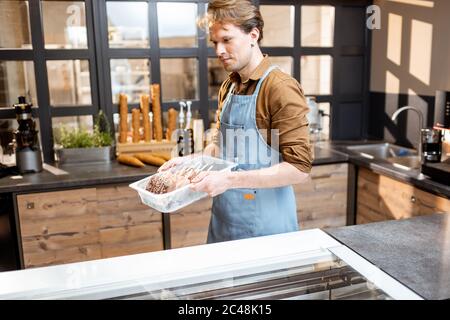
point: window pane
(278, 26)
(128, 24)
(216, 75)
(177, 24)
(285, 63)
(316, 74)
(317, 28)
(324, 109)
(179, 79)
(17, 79)
(64, 24)
(70, 124)
(69, 82)
(14, 24)
(7, 128)
(130, 76)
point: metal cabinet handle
(30, 205)
(413, 199)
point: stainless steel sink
(401, 157)
(382, 150)
(405, 163)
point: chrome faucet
(396, 113)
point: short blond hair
(242, 13)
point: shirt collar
(256, 74)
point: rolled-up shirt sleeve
(288, 110)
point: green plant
(81, 138)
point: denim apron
(245, 213)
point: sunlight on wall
(420, 54)
(421, 3)
(394, 38)
(392, 83)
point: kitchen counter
(78, 175)
(91, 174)
(379, 166)
(414, 251)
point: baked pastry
(170, 181)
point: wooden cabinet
(85, 224)
(322, 200)
(382, 198)
(126, 226)
(189, 226)
(59, 227)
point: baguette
(165, 156)
(172, 123)
(156, 108)
(130, 160)
(150, 159)
(136, 120)
(145, 117)
(123, 118)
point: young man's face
(232, 45)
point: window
(128, 24)
(16, 79)
(64, 24)
(177, 25)
(130, 76)
(278, 26)
(68, 82)
(317, 29)
(179, 80)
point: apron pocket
(237, 207)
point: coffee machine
(438, 168)
(28, 151)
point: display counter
(300, 265)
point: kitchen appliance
(431, 145)
(442, 109)
(28, 151)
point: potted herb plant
(81, 145)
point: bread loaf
(165, 156)
(145, 100)
(172, 123)
(150, 159)
(156, 108)
(130, 160)
(123, 118)
(136, 121)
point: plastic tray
(184, 196)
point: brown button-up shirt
(280, 105)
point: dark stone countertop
(414, 251)
(92, 174)
(79, 175)
(383, 167)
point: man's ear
(254, 34)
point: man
(257, 198)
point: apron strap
(258, 86)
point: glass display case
(299, 265)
